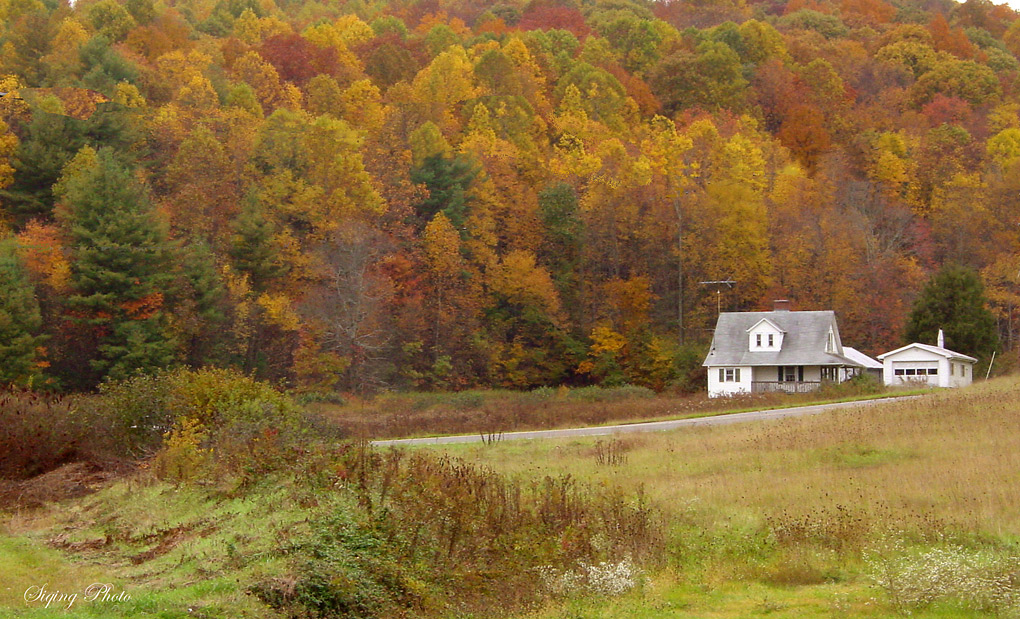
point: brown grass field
(823, 501)
(401, 415)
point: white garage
(926, 365)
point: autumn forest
(444, 194)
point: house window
(757, 340)
(933, 371)
(770, 340)
(898, 371)
(729, 375)
(952, 369)
(828, 373)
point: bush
(39, 433)
(433, 530)
(248, 427)
(182, 457)
(864, 383)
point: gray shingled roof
(862, 359)
(803, 344)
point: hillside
(365, 195)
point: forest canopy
(412, 194)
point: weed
(978, 579)
(610, 453)
(474, 412)
(838, 528)
(604, 578)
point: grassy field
(896, 509)
(807, 516)
(401, 415)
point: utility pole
(679, 269)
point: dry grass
(430, 414)
(865, 500)
(950, 460)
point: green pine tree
(120, 269)
(954, 300)
(448, 181)
(51, 142)
(200, 316)
(252, 248)
(20, 321)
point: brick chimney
(781, 305)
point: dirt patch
(70, 481)
(168, 539)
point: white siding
(903, 368)
(723, 388)
(764, 330)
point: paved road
(653, 426)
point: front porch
(775, 386)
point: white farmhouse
(781, 350)
(926, 365)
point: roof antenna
(718, 291)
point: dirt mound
(67, 482)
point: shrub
(433, 530)
(863, 384)
(38, 433)
(246, 427)
(182, 457)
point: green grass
(170, 549)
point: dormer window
(765, 336)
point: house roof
(862, 359)
(938, 350)
(804, 342)
(767, 321)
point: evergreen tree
(252, 247)
(563, 244)
(954, 300)
(120, 269)
(447, 180)
(200, 316)
(20, 321)
(563, 228)
(51, 142)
